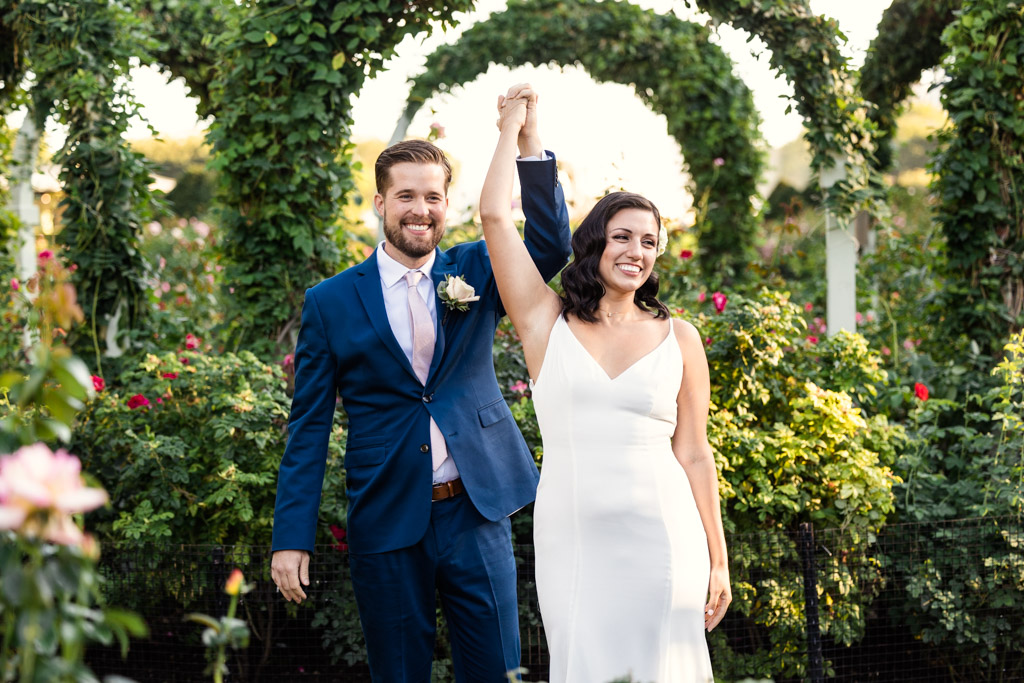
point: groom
(434, 462)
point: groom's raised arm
(546, 232)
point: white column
(23, 201)
(841, 263)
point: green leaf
(338, 61)
(270, 38)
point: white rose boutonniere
(456, 293)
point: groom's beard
(415, 246)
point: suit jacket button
(428, 398)
(424, 448)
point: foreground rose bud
(234, 583)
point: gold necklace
(611, 313)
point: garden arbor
(680, 74)
(674, 69)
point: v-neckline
(601, 367)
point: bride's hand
(512, 112)
(720, 595)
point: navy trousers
(467, 560)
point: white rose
(458, 290)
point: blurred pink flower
(812, 339)
(719, 300)
(165, 286)
(137, 401)
(163, 263)
(33, 480)
(859, 318)
(154, 228)
(97, 383)
(719, 161)
(191, 341)
(234, 583)
(169, 375)
(908, 344)
(808, 307)
(519, 386)
(685, 254)
(288, 361)
(701, 297)
(15, 285)
(45, 255)
(886, 351)
(708, 341)
(437, 130)
(202, 229)
(870, 316)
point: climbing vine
(280, 143)
(909, 41)
(805, 48)
(79, 55)
(980, 173)
(675, 70)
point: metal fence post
(815, 664)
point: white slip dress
(621, 555)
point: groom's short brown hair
(412, 151)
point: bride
(631, 556)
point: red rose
(685, 254)
(98, 384)
(719, 300)
(170, 375)
(191, 341)
(138, 401)
(921, 391)
(339, 535)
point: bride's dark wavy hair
(581, 280)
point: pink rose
(98, 384)
(701, 297)
(35, 479)
(191, 341)
(15, 285)
(808, 307)
(812, 339)
(719, 300)
(519, 386)
(45, 255)
(719, 162)
(137, 401)
(685, 254)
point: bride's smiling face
(631, 247)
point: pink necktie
(423, 339)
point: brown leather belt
(448, 489)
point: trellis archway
(675, 70)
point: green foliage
(908, 42)
(195, 459)
(43, 385)
(966, 459)
(283, 113)
(675, 69)
(980, 169)
(805, 49)
(79, 54)
(51, 607)
(182, 31)
(796, 440)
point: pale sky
(603, 133)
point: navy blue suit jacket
(346, 347)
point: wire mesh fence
(937, 601)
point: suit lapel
(372, 297)
(443, 266)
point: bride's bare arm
(531, 305)
(691, 448)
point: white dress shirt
(396, 303)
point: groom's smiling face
(413, 207)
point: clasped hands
(518, 109)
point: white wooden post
(23, 201)
(840, 263)
(23, 205)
